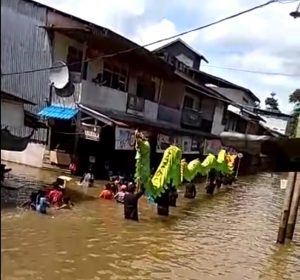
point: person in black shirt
(190, 191)
(212, 182)
(173, 195)
(163, 203)
(131, 202)
(219, 181)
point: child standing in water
(41, 203)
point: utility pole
(290, 228)
(290, 207)
(286, 208)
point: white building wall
(32, 155)
(217, 126)
(276, 124)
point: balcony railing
(168, 114)
(103, 97)
(191, 117)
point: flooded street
(229, 236)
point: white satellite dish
(59, 74)
(66, 91)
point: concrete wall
(150, 110)
(12, 113)
(33, 155)
(218, 127)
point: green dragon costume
(174, 169)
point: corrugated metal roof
(58, 112)
(24, 46)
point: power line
(253, 71)
(148, 44)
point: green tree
(272, 103)
(295, 99)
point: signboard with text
(90, 132)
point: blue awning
(58, 112)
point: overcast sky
(265, 40)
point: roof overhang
(100, 117)
(180, 41)
(124, 120)
(214, 80)
(14, 97)
(201, 89)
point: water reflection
(229, 236)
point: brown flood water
(230, 236)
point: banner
(187, 144)
(124, 139)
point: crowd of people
(125, 192)
(122, 191)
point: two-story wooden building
(115, 91)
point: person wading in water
(219, 180)
(173, 195)
(131, 202)
(212, 182)
(190, 191)
(163, 203)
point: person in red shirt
(55, 194)
(107, 192)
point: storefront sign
(124, 139)
(91, 132)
